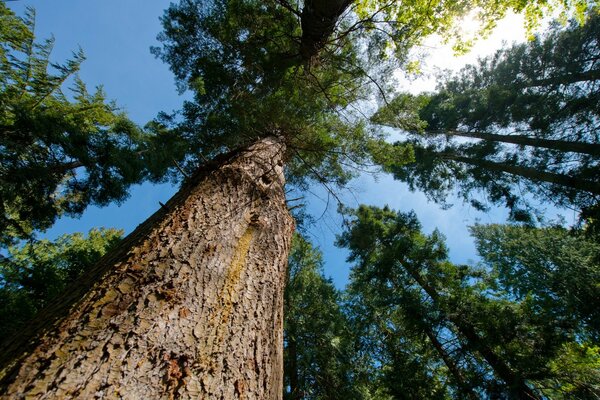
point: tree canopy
(439, 330)
(61, 151)
(270, 68)
(255, 69)
(532, 110)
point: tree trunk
(318, 23)
(292, 367)
(529, 173)
(190, 306)
(514, 381)
(450, 364)
(592, 149)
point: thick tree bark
(189, 307)
(592, 149)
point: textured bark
(190, 307)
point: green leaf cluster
(33, 274)
(61, 151)
(434, 329)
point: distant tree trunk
(592, 149)
(451, 365)
(189, 306)
(515, 382)
(292, 367)
(529, 173)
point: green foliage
(243, 61)
(61, 152)
(556, 270)
(437, 330)
(396, 27)
(577, 372)
(384, 153)
(394, 318)
(35, 273)
(319, 360)
(533, 109)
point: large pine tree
(191, 304)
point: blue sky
(116, 36)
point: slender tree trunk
(529, 173)
(452, 367)
(190, 306)
(516, 383)
(292, 365)
(561, 145)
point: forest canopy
(518, 129)
(532, 110)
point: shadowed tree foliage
(61, 151)
(524, 120)
(556, 271)
(34, 274)
(319, 362)
(555, 268)
(458, 331)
